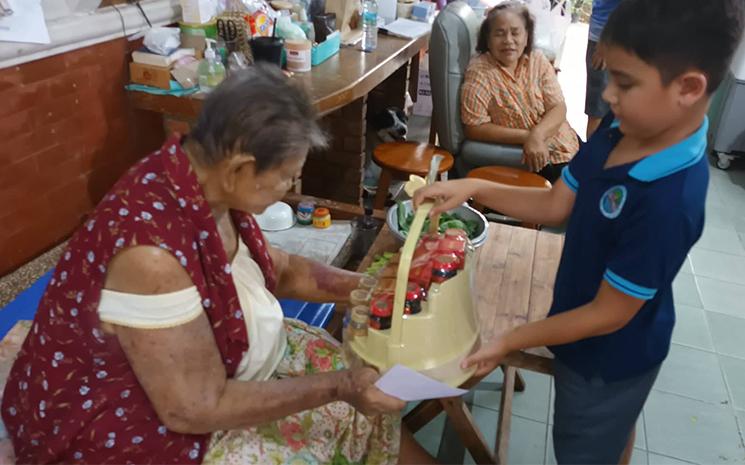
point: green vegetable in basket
(447, 221)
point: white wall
(73, 31)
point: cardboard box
(148, 75)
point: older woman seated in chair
(511, 94)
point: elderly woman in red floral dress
(160, 339)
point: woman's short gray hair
(257, 111)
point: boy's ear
(692, 87)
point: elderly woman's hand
(360, 392)
(535, 152)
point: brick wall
(67, 133)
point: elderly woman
(160, 339)
(511, 94)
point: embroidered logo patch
(612, 201)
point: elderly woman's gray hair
(258, 111)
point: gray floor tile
(527, 437)
(719, 217)
(721, 240)
(685, 291)
(531, 403)
(691, 328)
(741, 422)
(717, 265)
(692, 373)
(656, 459)
(639, 457)
(690, 430)
(687, 268)
(727, 332)
(723, 297)
(734, 373)
(431, 434)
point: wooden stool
(400, 159)
(511, 177)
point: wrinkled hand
(487, 358)
(535, 153)
(451, 194)
(598, 60)
(360, 392)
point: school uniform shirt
(632, 226)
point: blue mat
(23, 307)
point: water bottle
(369, 25)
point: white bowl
(277, 217)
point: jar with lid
(444, 267)
(381, 310)
(305, 212)
(414, 297)
(321, 218)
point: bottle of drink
(369, 25)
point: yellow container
(434, 341)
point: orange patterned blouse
(491, 94)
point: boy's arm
(610, 311)
(531, 205)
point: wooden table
(514, 284)
(340, 80)
(344, 88)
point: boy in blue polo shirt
(634, 196)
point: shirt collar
(675, 158)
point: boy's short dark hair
(482, 44)
(677, 35)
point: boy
(597, 76)
(634, 196)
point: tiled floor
(696, 412)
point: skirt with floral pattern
(332, 434)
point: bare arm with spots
(304, 279)
(182, 372)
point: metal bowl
(464, 211)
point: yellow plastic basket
(436, 340)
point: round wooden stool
(511, 177)
(400, 159)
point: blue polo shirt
(632, 225)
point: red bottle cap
(382, 305)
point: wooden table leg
(463, 422)
(382, 193)
(519, 382)
(505, 416)
(422, 414)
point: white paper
(26, 24)
(407, 28)
(408, 385)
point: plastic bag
(162, 40)
(288, 30)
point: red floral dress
(71, 395)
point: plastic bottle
(369, 25)
(211, 70)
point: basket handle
(395, 344)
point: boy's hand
(451, 194)
(487, 358)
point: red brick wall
(67, 133)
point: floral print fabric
(71, 395)
(332, 434)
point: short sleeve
(653, 246)
(475, 98)
(550, 87)
(577, 169)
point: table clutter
(213, 41)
